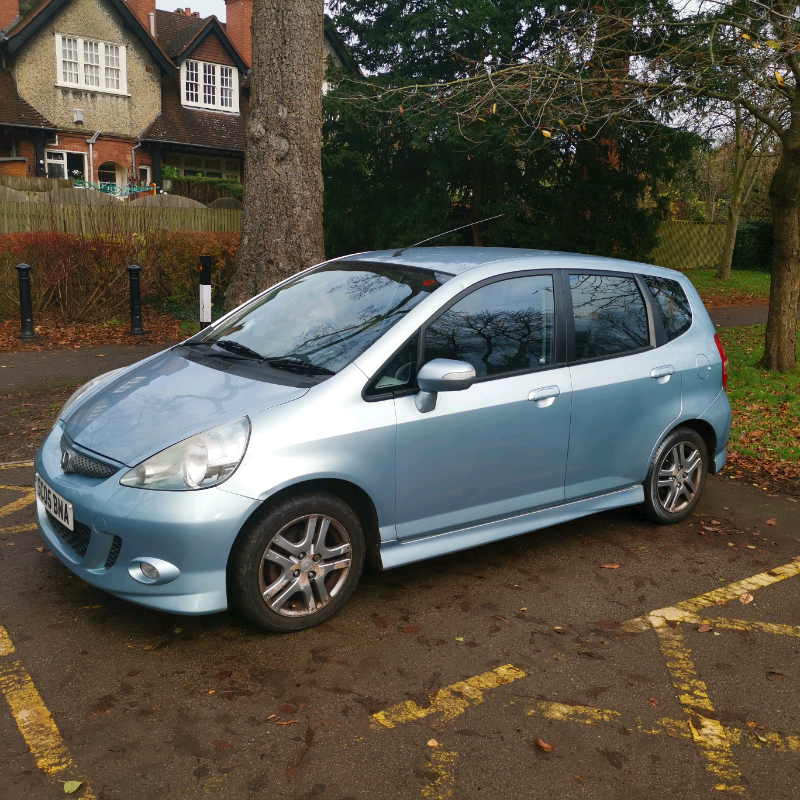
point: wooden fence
(30, 183)
(117, 218)
(688, 245)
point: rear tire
(677, 477)
(298, 564)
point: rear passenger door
(626, 389)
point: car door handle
(662, 374)
(545, 396)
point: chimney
(239, 18)
(9, 11)
(142, 10)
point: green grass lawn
(766, 405)
(743, 288)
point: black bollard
(136, 300)
(206, 265)
(25, 309)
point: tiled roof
(192, 126)
(29, 15)
(14, 110)
(175, 31)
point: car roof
(455, 260)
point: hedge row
(753, 248)
(85, 277)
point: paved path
(728, 316)
(36, 370)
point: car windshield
(320, 321)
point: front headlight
(204, 460)
(85, 388)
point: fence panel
(688, 245)
(118, 218)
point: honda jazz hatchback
(390, 405)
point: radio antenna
(439, 235)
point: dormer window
(89, 64)
(211, 86)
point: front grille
(85, 465)
(77, 539)
(116, 546)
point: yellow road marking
(31, 526)
(450, 701)
(34, 721)
(674, 728)
(707, 732)
(441, 763)
(716, 596)
(16, 505)
(16, 465)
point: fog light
(148, 570)
(152, 571)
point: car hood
(163, 400)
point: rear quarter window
(671, 300)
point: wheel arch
(707, 433)
(349, 492)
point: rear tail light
(725, 363)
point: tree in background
(398, 172)
(282, 214)
(681, 60)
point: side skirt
(396, 553)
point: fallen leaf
(502, 619)
(705, 628)
(760, 738)
(558, 629)
(41, 549)
(524, 608)
(287, 722)
(459, 638)
(752, 724)
(772, 521)
(610, 566)
(543, 746)
(271, 716)
(410, 629)
(715, 522)
(70, 787)
(653, 702)
(712, 530)
(433, 743)
(221, 745)
(379, 621)
(177, 630)
(547, 134)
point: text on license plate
(54, 503)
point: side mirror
(442, 375)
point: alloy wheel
(679, 476)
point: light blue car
(392, 406)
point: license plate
(54, 503)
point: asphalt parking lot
(604, 658)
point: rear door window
(673, 304)
(609, 315)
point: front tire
(297, 565)
(677, 477)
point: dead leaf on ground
(653, 702)
(502, 619)
(41, 549)
(772, 521)
(715, 522)
(610, 566)
(543, 746)
(287, 722)
(433, 743)
(705, 628)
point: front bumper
(192, 530)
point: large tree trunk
(780, 346)
(282, 218)
(726, 259)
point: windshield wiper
(296, 365)
(241, 350)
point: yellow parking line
(450, 701)
(16, 465)
(31, 526)
(441, 763)
(16, 505)
(706, 731)
(674, 728)
(716, 596)
(34, 721)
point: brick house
(109, 91)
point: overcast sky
(205, 7)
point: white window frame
(202, 67)
(81, 82)
(63, 162)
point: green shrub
(206, 190)
(753, 250)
